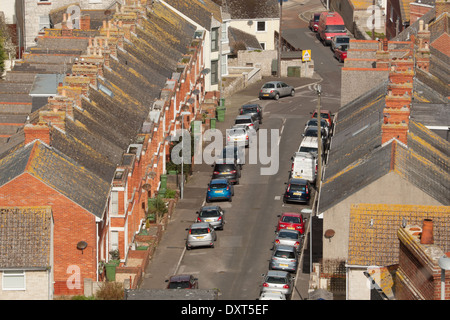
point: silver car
(250, 120)
(214, 215)
(275, 90)
(273, 295)
(239, 135)
(284, 258)
(288, 237)
(280, 281)
(200, 234)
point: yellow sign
(306, 55)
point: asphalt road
(241, 254)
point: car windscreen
(199, 231)
(249, 110)
(307, 149)
(291, 219)
(322, 115)
(237, 132)
(218, 186)
(242, 121)
(275, 280)
(297, 187)
(179, 285)
(224, 167)
(209, 213)
(342, 40)
(335, 28)
(269, 86)
(287, 235)
(311, 133)
(284, 254)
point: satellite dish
(249, 22)
(82, 245)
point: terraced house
(93, 109)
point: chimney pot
(427, 232)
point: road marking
(277, 198)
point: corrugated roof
(25, 237)
(373, 239)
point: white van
(304, 166)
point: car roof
(180, 277)
(288, 231)
(210, 208)
(298, 181)
(219, 180)
(277, 273)
(200, 225)
(243, 116)
(284, 247)
(291, 214)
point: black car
(229, 171)
(232, 153)
(297, 190)
(255, 109)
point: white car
(240, 135)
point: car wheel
(292, 93)
(277, 96)
(230, 199)
(207, 200)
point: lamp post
(279, 39)
(182, 114)
(444, 264)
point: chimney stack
(39, 131)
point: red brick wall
(71, 225)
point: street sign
(306, 55)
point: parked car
(229, 171)
(249, 120)
(312, 131)
(232, 154)
(219, 189)
(340, 53)
(253, 108)
(330, 24)
(289, 238)
(275, 90)
(291, 221)
(182, 281)
(200, 234)
(324, 124)
(281, 281)
(240, 135)
(314, 22)
(272, 295)
(297, 190)
(309, 144)
(214, 215)
(324, 114)
(338, 41)
(284, 258)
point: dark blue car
(219, 189)
(297, 190)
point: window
(215, 39)
(114, 240)
(224, 33)
(263, 45)
(261, 26)
(13, 280)
(224, 61)
(215, 72)
(114, 202)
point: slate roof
(200, 11)
(357, 157)
(237, 37)
(251, 9)
(25, 237)
(377, 243)
(59, 172)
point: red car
(314, 22)
(291, 221)
(340, 53)
(324, 114)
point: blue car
(219, 189)
(297, 190)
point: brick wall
(71, 225)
